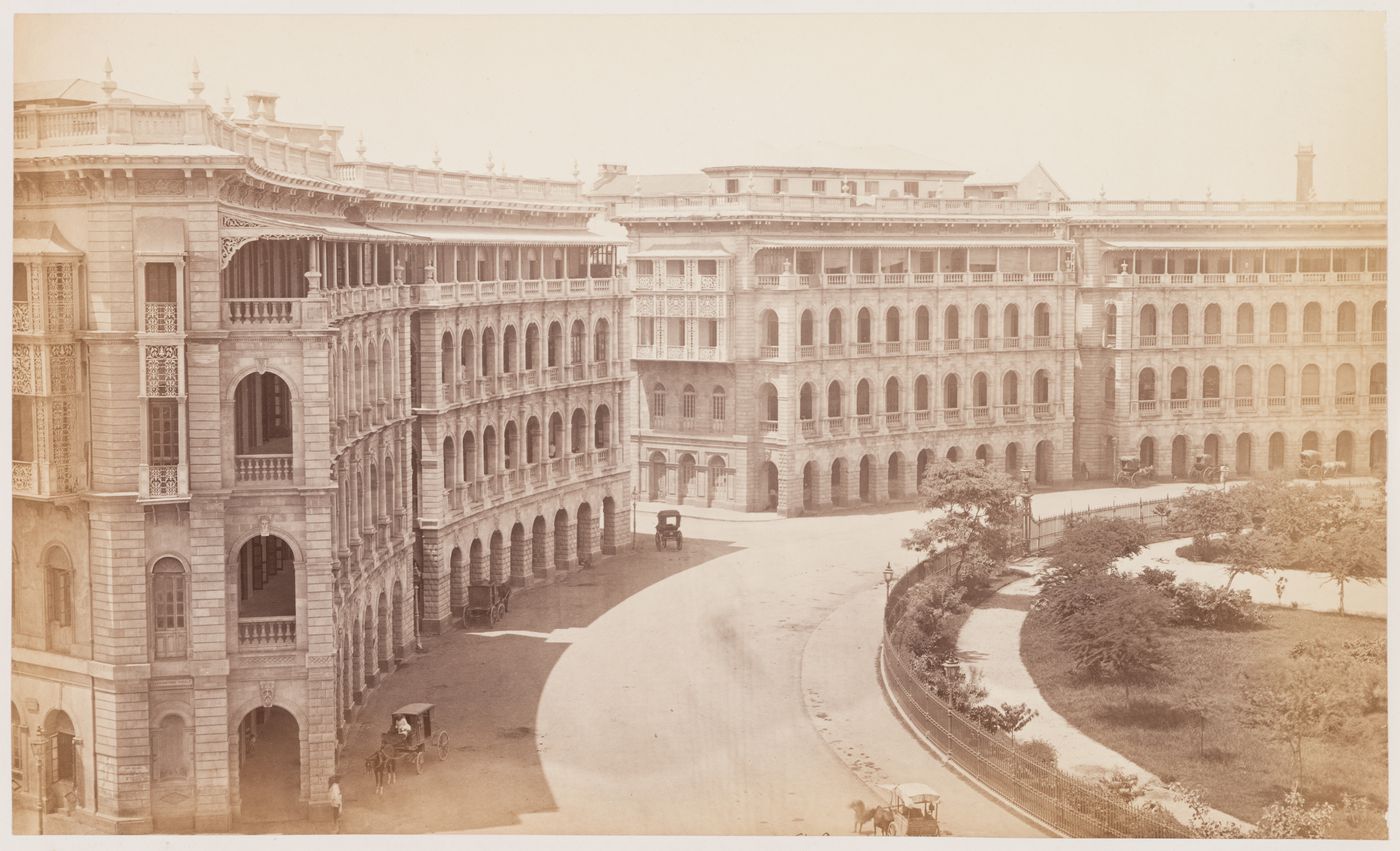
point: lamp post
(889, 577)
(950, 667)
(634, 519)
(37, 746)
(1026, 504)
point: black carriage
(411, 736)
(1131, 471)
(1310, 464)
(668, 528)
(486, 601)
(1204, 469)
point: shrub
(1194, 604)
(1002, 719)
(1123, 785)
(1159, 578)
(1040, 752)
(1093, 545)
(1118, 637)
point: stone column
(879, 479)
(437, 585)
(821, 488)
(569, 550)
(521, 561)
(547, 552)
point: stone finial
(575, 168)
(325, 140)
(227, 110)
(437, 158)
(490, 163)
(360, 146)
(1207, 191)
(109, 86)
(196, 85)
(1102, 194)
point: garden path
(990, 641)
(1308, 589)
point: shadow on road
(486, 683)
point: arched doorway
(1311, 442)
(1042, 462)
(1212, 449)
(498, 557)
(1244, 454)
(921, 463)
(1179, 449)
(517, 554)
(539, 557)
(686, 484)
(269, 766)
(717, 486)
(809, 484)
(838, 481)
(770, 480)
(895, 475)
(954, 453)
(609, 526)
(62, 765)
(1276, 451)
(457, 578)
(1345, 450)
(1378, 451)
(561, 540)
(656, 484)
(1147, 452)
(1013, 460)
(583, 530)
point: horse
(882, 818)
(1332, 469)
(384, 765)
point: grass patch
(1238, 770)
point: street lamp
(37, 746)
(950, 667)
(634, 519)
(889, 577)
(1026, 504)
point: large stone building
(275, 411)
(813, 332)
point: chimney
(1305, 174)
(607, 171)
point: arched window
(806, 334)
(1147, 385)
(1278, 386)
(921, 393)
(468, 456)
(1147, 325)
(768, 334)
(576, 339)
(168, 609)
(1244, 324)
(863, 326)
(58, 596)
(950, 392)
(578, 430)
(862, 398)
(1042, 324)
(952, 328)
(532, 440)
(1011, 389)
(658, 400)
(600, 341)
(1181, 325)
(556, 435)
(834, 325)
(1312, 322)
(1346, 322)
(1346, 385)
(1212, 325)
(512, 444)
(922, 332)
(1110, 323)
(1179, 388)
(386, 371)
(262, 416)
(1378, 322)
(1244, 388)
(1312, 385)
(508, 354)
(981, 327)
(979, 390)
(532, 347)
(488, 451)
(1011, 324)
(1278, 323)
(892, 396)
(804, 402)
(1041, 389)
(449, 463)
(1210, 385)
(768, 407)
(717, 404)
(892, 323)
(554, 343)
(688, 403)
(448, 349)
(833, 400)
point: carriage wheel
(442, 745)
(418, 762)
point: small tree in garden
(1291, 818)
(976, 509)
(1302, 700)
(1005, 718)
(1351, 549)
(1119, 638)
(1092, 546)
(1204, 513)
(1252, 553)
(1123, 785)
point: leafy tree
(1351, 548)
(1291, 818)
(1119, 637)
(1250, 553)
(1202, 514)
(1123, 785)
(1092, 546)
(975, 508)
(1005, 718)
(1302, 700)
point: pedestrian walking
(337, 801)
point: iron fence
(1063, 801)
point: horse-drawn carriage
(1132, 472)
(487, 601)
(668, 528)
(1204, 469)
(410, 737)
(915, 807)
(1311, 465)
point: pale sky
(1148, 105)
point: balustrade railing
(262, 311)
(811, 429)
(262, 468)
(267, 633)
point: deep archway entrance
(269, 766)
(770, 481)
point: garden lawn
(1239, 771)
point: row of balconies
(886, 348)
(467, 292)
(1250, 405)
(1124, 279)
(656, 352)
(487, 386)
(676, 282)
(353, 424)
(814, 428)
(495, 488)
(1272, 338)
(904, 279)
